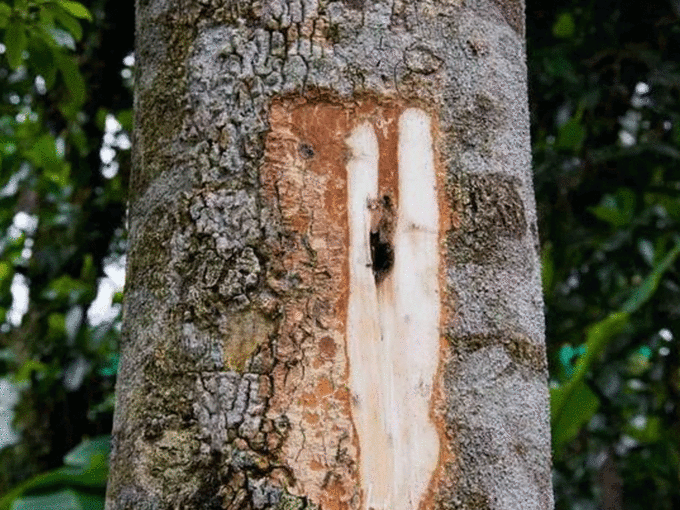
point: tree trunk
(333, 296)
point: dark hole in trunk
(382, 256)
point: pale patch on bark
(307, 180)
(393, 318)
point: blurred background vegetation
(605, 106)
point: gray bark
(233, 376)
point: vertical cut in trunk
(359, 181)
(393, 313)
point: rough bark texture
(233, 388)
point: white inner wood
(393, 327)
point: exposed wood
(393, 314)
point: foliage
(573, 404)
(61, 212)
(78, 485)
(604, 88)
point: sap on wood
(393, 313)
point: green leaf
(44, 151)
(650, 432)
(87, 467)
(548, 268)
(67, 21)
(56, 324)
(89, 453)
(647, 288)
(62, 38)
(21, 6)
(577, 412)
(571, 135)
(15, 42)
(78, 138)
(88, 271)
(66, 499)
(638, 363)
(558, 66)
(564, 27)
(76, 9)
(44, 155)
(27, 368)
(597, 337)
(618, 210)
(6, 272)
(67, 289)
(5, 13)
(110, 368)
(125, 117)
(42, 49)
(566, 356)
(100, 118)
(73, 80)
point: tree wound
(382, 256)
(380, 237)
(393, 309)
(366, 196)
